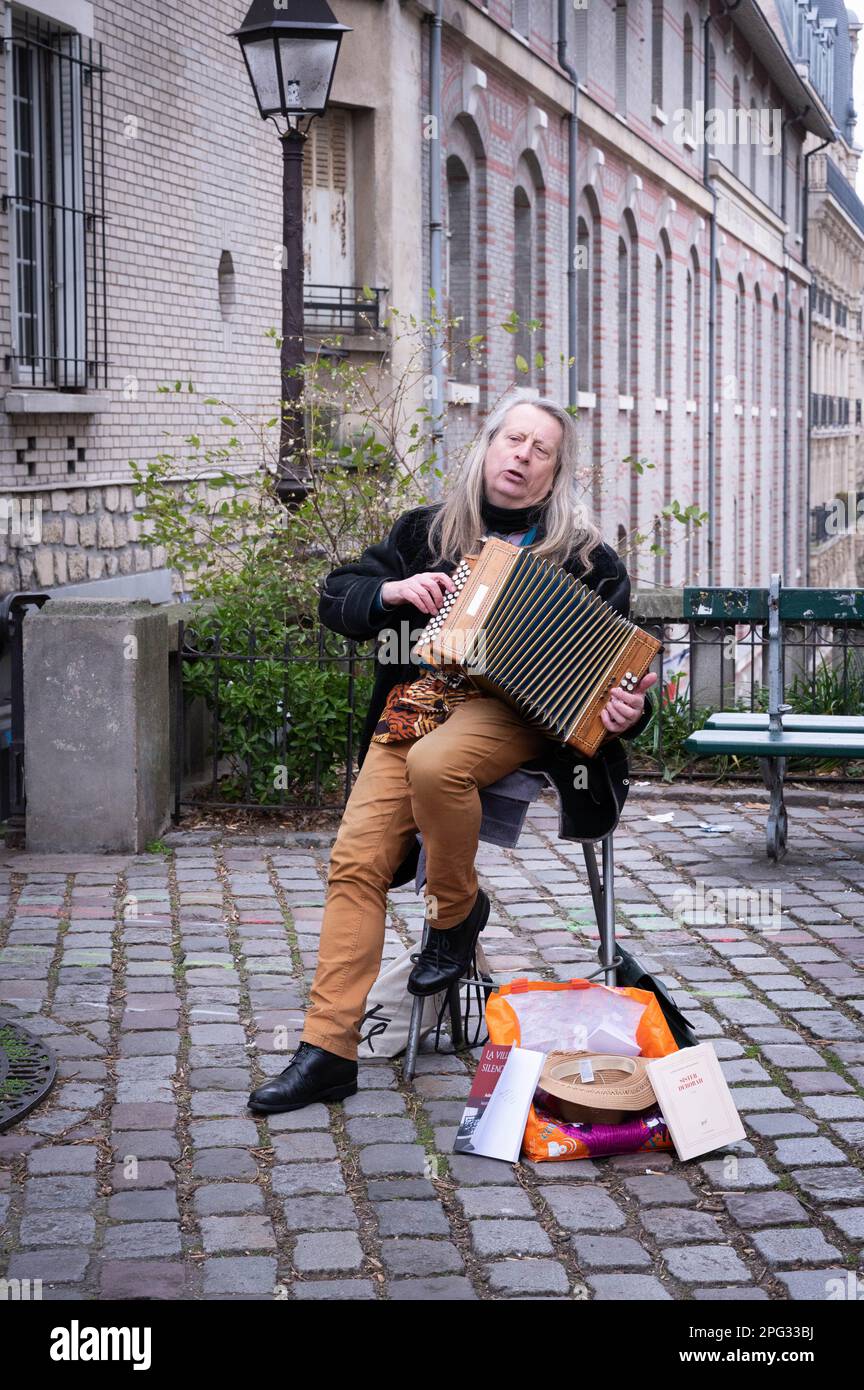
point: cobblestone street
(169, 985)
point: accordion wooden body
(524, 630)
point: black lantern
(290, 52)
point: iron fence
(702, 669)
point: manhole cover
(28, 1068)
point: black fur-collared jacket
(348, 604)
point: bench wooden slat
(792, 723)
(762, 744)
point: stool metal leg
(603, 896)
(409, 1064)
(454, 1004)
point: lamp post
(290, 50)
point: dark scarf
(510, 519)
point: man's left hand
(625, 707)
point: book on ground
(695, 1100)
(493, 1122)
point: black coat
(347, 605)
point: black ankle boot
(311, 1075)
(447, 954)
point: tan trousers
(430, 784)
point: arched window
(736, 143)
(740, 338)
(660, 294)
(754, 126)
(624, 290)
(523, 262)
(694, 324)
(756, 347)
(459, 275)
(688, 72)
(585, 273)
(657, 52)
(621, 56)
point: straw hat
(619, 1086)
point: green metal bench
(778, 735)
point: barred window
(55, 207)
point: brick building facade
(178, 216)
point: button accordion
(525, 631)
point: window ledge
(690, 407)
(739, 409)
(688, 141)
(18, 402)
(754, 411)
(625, 402)
(586, 400)
(661, 403)
(659, 115)
(773, 412)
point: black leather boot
(447, 954)
(311, 1075)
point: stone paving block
(409, 1159)
(706, 1264)
(609, 1252)
(774, 1123)
(59, 1193)
(850, 1220)
(408, 1256)
(747, 1172)
(628, 1288)
(310, 1117)
(133, 1177)
(412, 1219)
(840, 1184)
(327, 1250)
(246, 1232)
(224, 1198)
(141, 1239)
(399, 1189)
(62, 1158)
(749, 1098)
(331, 1290)
(57, 1228)
(583, 1209)
(448, 1290)
(819, 1083)
(509, 1237)
(240, 1274)
(217, 1134)
(224, 1163)
(143, 1279)
(749, 1209)
(303, 1147)
(662, 1190)
(143, 1206)
(582, 1170)
(837, 1107)
(670, 1225)
(734, 1293)
(296, 1179)
(52, 1266)
(374, 1103)
(320, 1213)
(494, 1201)
(363, 1129)
(791, 1151)
(528, 1276)
(787, 1055)
(798, 1245)
(821, 1285)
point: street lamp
(290, 50)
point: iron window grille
(55, 204)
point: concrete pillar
(96, 747)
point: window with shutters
(55, 204)
(621, 56)
(657, 52)
(328, 201)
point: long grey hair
(458, 525)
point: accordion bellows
(526, 631)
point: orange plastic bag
(547, 1136)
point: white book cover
(695, 1100)
(501, 1128)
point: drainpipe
(787, 344)
(712, 295)
(805, 248)
(436, 277)
(572, 216)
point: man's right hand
(424, 591)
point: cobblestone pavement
(144, 1175)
